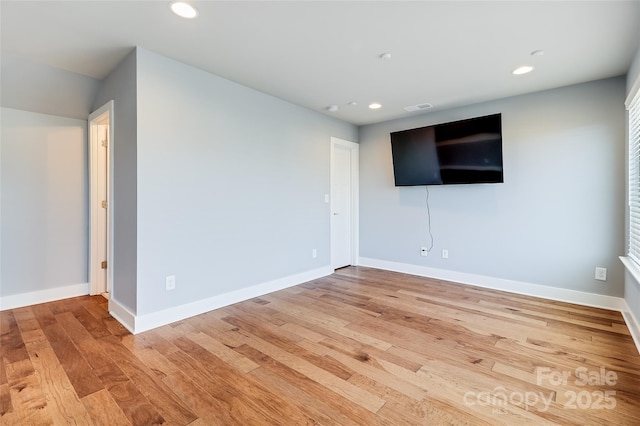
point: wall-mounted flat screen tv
(460, 152)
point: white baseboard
(632, 323)
(122, 315)
(141, 323)
(519, 287)
(43, 296)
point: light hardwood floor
(360, 347)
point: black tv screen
(467, 151)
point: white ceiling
(317, 53)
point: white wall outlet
(170, 282)
(445, 253)
(314, 253)
(326, 198)
(424, 251)
(601, 274)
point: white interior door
(100, 130)
(344, 206)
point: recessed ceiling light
(332, 108)
(375, 105)
(353, 103)
(184, 10)
(522, 70)
(538, 52)
(385, 56)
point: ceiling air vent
(418, 107)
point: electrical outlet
(601, 274)
(170, 282)
(445, 253)
(314, 253)
(424, 251)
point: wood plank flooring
(360, 347)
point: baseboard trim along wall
(43, 296)
(122, 315)
(633, 324)
(519, 287)
(140, 323)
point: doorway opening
(100, 139)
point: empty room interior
(320, 213)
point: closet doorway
(100, 139)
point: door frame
(97, 231)
(354, 148)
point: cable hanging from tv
(428, 221)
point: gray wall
(231, 184)
(120, 86)
(214, 182)
(35, 87)
(634, 71)
(559, 214)
(44, 196)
